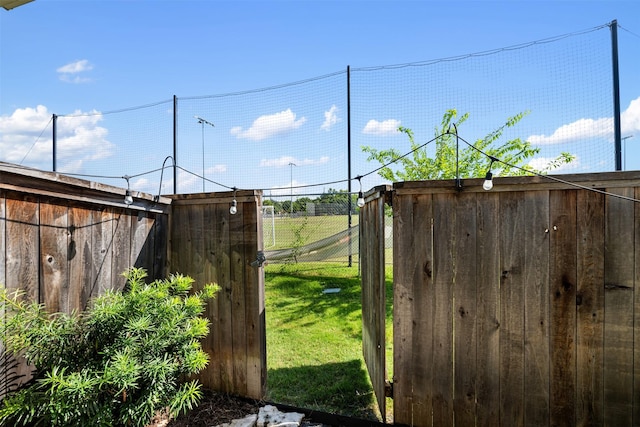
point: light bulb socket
(234, 207)
(360, 201)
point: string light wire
(359, 177)
(550, 177)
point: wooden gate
(213, 246)
(372, 259)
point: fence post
(54, 139)
(616, 95)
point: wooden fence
(213, 246)
(65, 240)
(517, 306)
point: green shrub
(115, 364)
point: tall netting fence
(302, 143)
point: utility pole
(203, 122)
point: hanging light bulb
(488, 181)
(234, 203)
(360, 201)
(128, 198)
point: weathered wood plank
(562, 286)
(54, 270)
(403, 297)
(102, 234)
(422, 309)
(488, 307)
(371, 225)
(590, 308)
(161, 237)
(80, 258)
(636, 311)
(444, 258)
(618, 322)
(142, 241)
(512, 228)
(121, 248)
(465, 310)
(536, 306)
(22, 255)
(3, 281)
(255, 326)
(211, 344)
(238, 308)
(225, 304)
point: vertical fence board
(3, 280)
(22, 256)
(562, 285)
(636, 311)
(256, 344)
(211, 343)
(238, 313)
(619, 291)
(121, 248)
(488, 310)
(54, 282)
(102, 250)
(403, 297)
(444, 258)
(422, 310)
(142, 241)
(465, 311)
(225, 325)
(372, 266)
(512, 308)
(80, 257)
(536, 306)
(590, 308)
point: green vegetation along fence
(517, 306)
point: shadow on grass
(307, 290)
(338, 388)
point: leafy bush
(116, 364)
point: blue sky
(93, 56)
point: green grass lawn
(314, 340)
(315, 228)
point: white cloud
(330, 118)
(285, 160)
(387, 127)
(592, 128)
(269, 125)
(26, 135)
(69, 72)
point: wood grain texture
(512, 245)
(488, 309)
(444, 259)
(372, 262)
(465, 310)
(562, 286)
(536, 306)
(54, 281)
(618, 322)
(80, 247)
(403, 297)
(590, 309)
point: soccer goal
(268, 226)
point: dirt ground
(214, 409)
